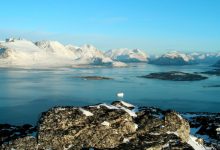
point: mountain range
(25, 53)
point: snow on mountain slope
(56, 48)
(19, 52)
(208, 58)
(126, 55)
(174, 58)
(88, 54)
(24, 53)
(75, 49)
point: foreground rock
(9, 132)
(115, 126)
(175, 76)
(205, 126)
(93, 77)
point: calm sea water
(25, 93)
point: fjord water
(25, 93)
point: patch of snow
(136, 126)
(70, 146)
(194, 144)
(109, 106)
(180, 117)
(86, 112)
(105, 123)
(126, 140)
(168, 132)
(131, 113)
(166, 145)
(127, 104)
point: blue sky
(153, 25)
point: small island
(93, 78)
(212, 72)
(175, 76)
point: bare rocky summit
(119, 126)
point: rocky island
(175, 76)
(119, 126)
(93, 78)
(212, 72)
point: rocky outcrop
(175, 76)
(9, 132)
(177, 124)
(117, 126)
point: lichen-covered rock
(178, 125)
(26, 143)
(107, 127)
(104, 129)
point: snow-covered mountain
(207, 58)
(127, 55)
(24, 53)
(55, 48)
(88, 54)
(20, 53)
(173, 58)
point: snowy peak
(24, 53)
(207, 58)
(86, 51)
(55, 48)
(127, 55)
(176, 54)
(174, 58)
(20, 46)
(89, 54)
